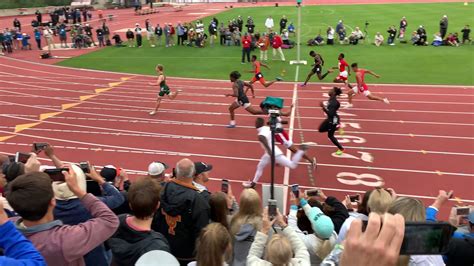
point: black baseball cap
(202, 167)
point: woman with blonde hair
(213, 247)
(245, 224)
(284, 248)
(413, 210)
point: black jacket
(181, 216)
(128, 245)
(340, 213)
(459, 252)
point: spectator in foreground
(156, 171)
(460, 246)
(213, 247)
(201, 177)
(414, 211)
(223, 207)
(318, 248)
(245, 224)
(282, 249)
(134, 236)
(31, 196)
(378, 39)
(334, 209)
(363, 248)
(17, 250)
(183, 212)
(71, 211)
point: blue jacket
(18, 250)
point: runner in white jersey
(265, 139)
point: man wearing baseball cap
(201, 177)
(156, 170)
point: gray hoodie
(242, 242)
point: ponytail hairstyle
(213, 246)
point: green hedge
(6, 4)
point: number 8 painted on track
(360, 179)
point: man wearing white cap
(156, 170)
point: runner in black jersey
(332, 121)
(241, 99)
(317, 68)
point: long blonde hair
(278, 250)
(213, 246)
(379, 201)
(250, 211)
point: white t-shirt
(331, 34)
(269, 23)
(267, 133)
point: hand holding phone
(56, 175)
(225, 186)
(22, 157)
(296, 190)
(39, 146)
(272, 208)
(85, 167)
(312, 192)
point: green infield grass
(402, 63)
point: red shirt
(246, 41)
(342, 65)
(362, 75)
(277, 42)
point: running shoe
(350, 105)
(339, 152)
(249, 184)
(302, 85)
(279, 78)
(304, 147)
(385, 100)
(152, 113)
(179, 90)
(231, 126)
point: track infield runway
(422, 142)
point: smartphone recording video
(56, 175)
(225, 186)
(463, 211)
(272, 208)
(22, 157)
(424, 238)
(85, 167)
(354, 198)
(312, 192)
(296, 190)
(39, 146)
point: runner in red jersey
(344, 70)
(361, 86)
(258, 74)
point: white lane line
(124, 132)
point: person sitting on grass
(318, 40)
(437, 41)
(378, 39)
(32, 197)
(134, 236)
(451, 40)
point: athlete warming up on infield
(362, 86)
(265, 139)
(164, 89)
(332, 121)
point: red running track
(420, 143)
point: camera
(275, 121)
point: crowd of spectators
(73, 214)
(418, 37)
